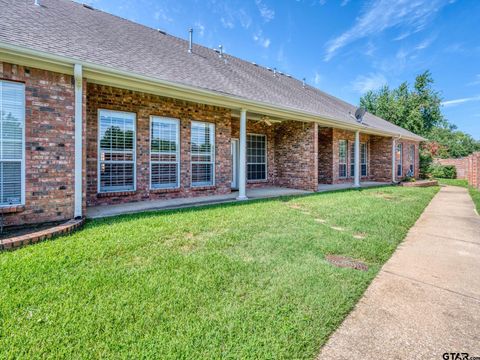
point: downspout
(78, 75)
(394, 150)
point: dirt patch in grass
(294, 206)
(346, 262)
(384, 196)
(359, 236)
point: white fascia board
(109, 76)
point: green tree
(418, 109)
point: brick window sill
(115, 194)
(203, 188)
(257, 181)
(164, 191)
(12, 209)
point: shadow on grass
(192, 208)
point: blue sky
(344, 47)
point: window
(12, 143)
(342, 158)
(202, 153)
(116, 151)
(352, 158)
(164, 153)
(412, 160)
(256, 157)
(363, 159)
(399, 159)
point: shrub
(425, 163)
(450, 172)
(442, 171)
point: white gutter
(233, 101)
(78, 75)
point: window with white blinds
(12, 143)
(399, 159)
(202, 153)
(342, 158)
(256, 157)
(116, 151)
(363, 159)
(412, 160)
(164, 153)
(352, 158)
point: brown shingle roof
(65, 28)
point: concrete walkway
(426, 299)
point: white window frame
(99, 162)
(412, 158)
(400, 160)
(366, 159)
(340, 142)
(22, 160)
(161, 119)
(266, 158)
(212, 154)
(351, 158)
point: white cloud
(344, 2)
(456, 102)
(381, 15)
(200, 27)
(282, 59)
(476, 81)
(160, 14)
(244, 18)
(227, 23)
(266, 13)
(261, 40)
(317, 79)
(425, 43)
(372, 81)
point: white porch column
(242, 176)
(393, 160)
(78, 74)
(357, 159)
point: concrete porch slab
(363, 184)
(151, 205)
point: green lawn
(474, 193)
(244, 280)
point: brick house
(97, 110)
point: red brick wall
(473, 175)
(144, 105)
(257, 127)
(49, 148)
(460, 164)
(325, 155)
(296, 155)
(381, 158)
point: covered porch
(168, 204)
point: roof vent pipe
(190, 40)
(304, 82)
(274, 71)
(220, 53)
